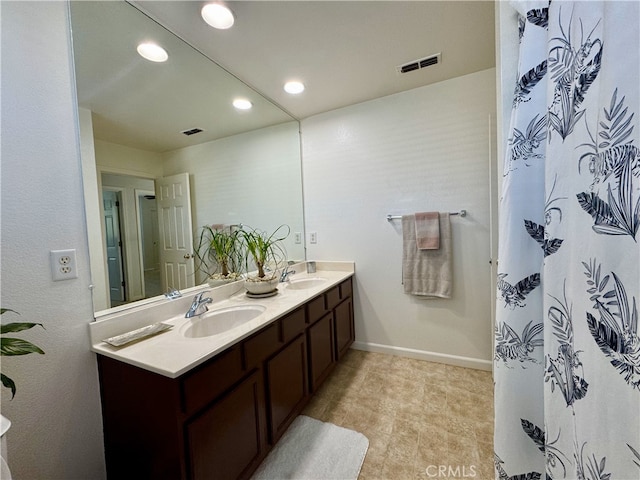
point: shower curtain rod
(462, 213)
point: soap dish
(138, 334)
(263, 295)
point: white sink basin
(222, 320)
(304, 283)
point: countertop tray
(138, 334)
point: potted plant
(219, 254)
(265, 252)
(15, 346)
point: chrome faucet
(284, 276)
(199, 305)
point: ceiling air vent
(420, 63)
(192, 131)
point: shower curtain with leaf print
(567, 344)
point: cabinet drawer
(333, 297)
(346, 289)
(211, 380)
(293, 324)
(316, 309)
(261, 345)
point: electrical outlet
(297, 237)
(63, 264)
(313, 237)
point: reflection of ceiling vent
(192, 131)
(420, 63)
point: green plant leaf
(10, 384)
(264, 250)
(4, 310)
(17, 327)
(17, 346)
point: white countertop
(171, 354)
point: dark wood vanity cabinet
(345, 334)
(220, 420)
(228, 439)
(331, 331)
(322, 358)
(287, 386)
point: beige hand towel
(428, 230)
(426, 273)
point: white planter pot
(5, 424)
(256, 286)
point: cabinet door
(345, 334)
(228, 440)
(321, 350)
(286, 386)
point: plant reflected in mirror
(219, 253)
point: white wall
(57, 427)
(93, 212)
(421, 150)
(114, 158)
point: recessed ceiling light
(242, 104)
(294, 87)
(152, 52)
(217, 15)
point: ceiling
(345, 52)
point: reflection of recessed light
(294, 87)
(152, 52)
(217, 15)
(242, 104)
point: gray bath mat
(314, 450)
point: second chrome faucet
(199, 305)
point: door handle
(187, 256)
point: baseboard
(447, 359)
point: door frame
(141, 193)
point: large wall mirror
(243, 167)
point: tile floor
(423, 420)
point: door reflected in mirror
(244, 167)
(113, 243)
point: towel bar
(462, 213)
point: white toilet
(5, 424)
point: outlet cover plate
(63, 265)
